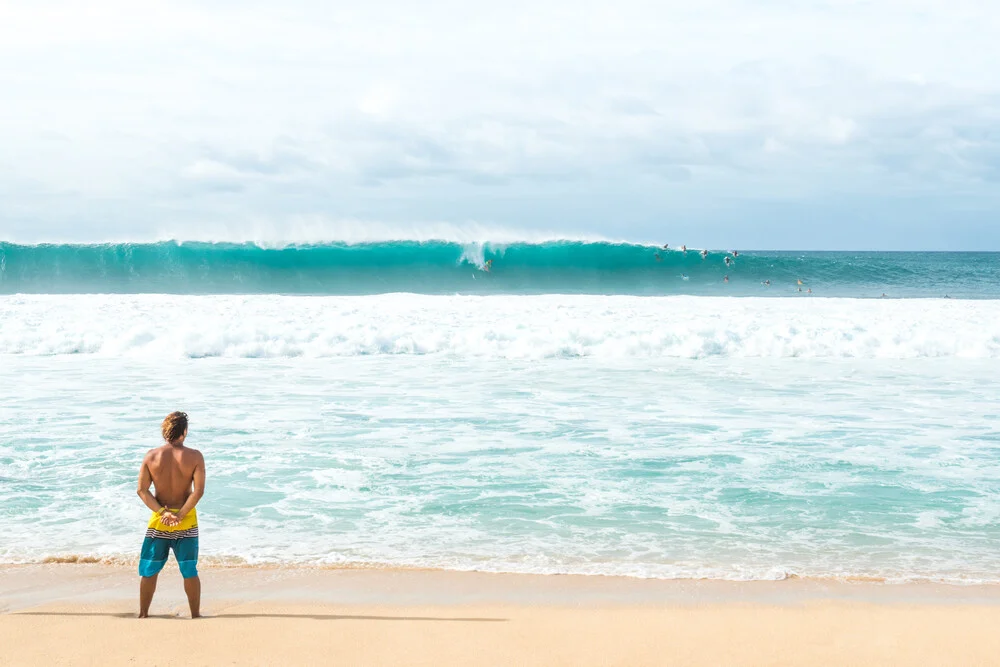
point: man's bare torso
(172, 469)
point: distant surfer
(684, 276)
(725, 279)
(684, 248)
(736, 253)
(704, 254)
(728, 260)
(657, 256)
(809, 290)
(666, 246)
(766, 283)
(488, 265)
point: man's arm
(199, 488)
(145, 481)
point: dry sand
(84, 615)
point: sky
(834, 124)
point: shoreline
(85, 615)
(236, 563)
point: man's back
(178, 473)
(172, 470)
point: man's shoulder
(194, 454)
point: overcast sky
(719, 123)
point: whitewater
(580, 407)
(496, 327)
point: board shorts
(161, 539)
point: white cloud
(444, 110)
(378, 100)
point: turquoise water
(646, 425)
(566, 267)
(737, 469)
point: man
(173, 469)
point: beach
(505, 478)
(555, 334)
(83, 614)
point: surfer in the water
(704, 254)
(766, 283)
(657, 256)
(684, 276)
(684, 248)
(728, 260)
(666, 246)
(736, 253)
(488, 265)
(725, 279)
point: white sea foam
(718, 468)
(508, 327)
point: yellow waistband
(190, 521)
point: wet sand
(84, 615)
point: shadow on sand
(315, 617)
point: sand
(84, 615)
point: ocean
(580, 407)
(439, 267)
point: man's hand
(170, 519)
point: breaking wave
(445, 267)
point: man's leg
(186, 552)
(151, 561)
(192, 587)
(147, 586)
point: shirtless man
(173, 469)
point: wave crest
(445, 267)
